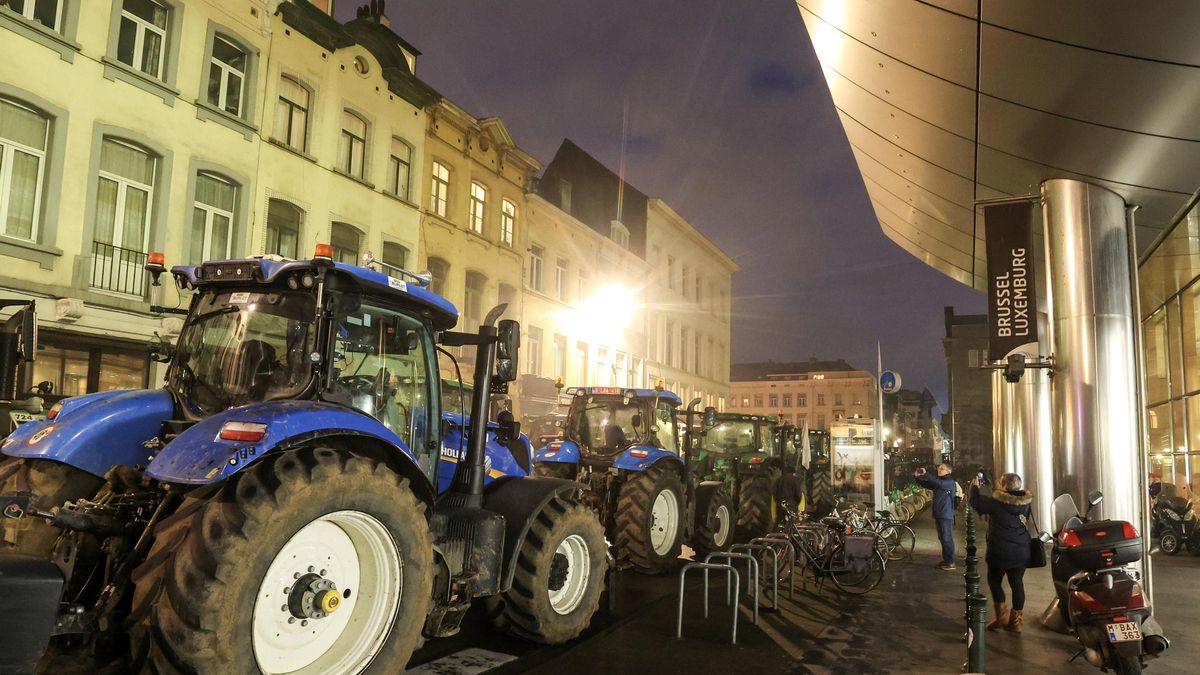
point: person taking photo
(943, 487)
(1008, 509)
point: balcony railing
(119, 270)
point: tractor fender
(95, 432)
(198, 456)
(642, 457)
(520, 501)
(499, 458)
(704, 494)
(566, 452)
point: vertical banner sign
(1012, 295)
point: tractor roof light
(323, 253)
(246, 432)
(54, 411)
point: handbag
(1037, 549)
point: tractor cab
(612, 426)
(745, 443)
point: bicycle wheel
(900, 539)
(850, 580)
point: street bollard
(976, 602)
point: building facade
(969, 420)
(813, 393)
(203, 130)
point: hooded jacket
(943, 493)
(1007, 536)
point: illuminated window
(441, 189)
(508, 221)
(560, 279)
(536, 254)
(478, 206)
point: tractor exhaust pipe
(467, 487)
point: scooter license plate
(1127, 631)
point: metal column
(1095, 418)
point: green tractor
(819, 481)
(744, 453)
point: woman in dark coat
(1007, 509)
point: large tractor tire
(555, 470)
(715, 527)
(649, 522)
(756, 508)
(53, 484)
(559, 576)
(313, 561)
(820, 487)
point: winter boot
(1014, 622)
(1001, 617)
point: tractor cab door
(666, 430)
(383, 366)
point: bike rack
(751, 569)
(737, 586)
(774, 567)
(773, 541)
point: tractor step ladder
(736, 587)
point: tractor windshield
(731, 438)
(608, 423)
(244, 347)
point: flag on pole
(805, 447)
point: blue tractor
(629, 447)
(293, 500)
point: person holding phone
(944, 488)
(1009, 510)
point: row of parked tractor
(299, 498)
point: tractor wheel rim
(566, 598)
(724, 526)
(357, 553)
(664, 522)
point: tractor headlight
(1190, 515)
(1172, 515)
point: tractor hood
(94, 432)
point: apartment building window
(24, 133)
(399, 168)
(580, 286)
(440, 270)
(801, 400)
(346, 242)
(536, 254)
(696, 290)
(283, 228)
(352, 145)
(758, 399)
(142, 36)
(473, 301)
(508, 221)
(687, 278)
(820, 421)
(801, 419)
(533, 344)
(46, 12)
(669, 341)
(124, 199)
(698, 355)
(212, 217)
(581, 362)
(507, 295)
(787, 400)
(291, 113)
(745, 401)
(478, 206)
(619, 233)
(226, 76)
(560, 356)
(395, 255)
(837, 399)
(441, 189)
(560, 279)
(671, 272)
(603, 371)
(773, 400)
(820, 399)
(685, 345)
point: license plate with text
(1124, 632)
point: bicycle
(831, 549)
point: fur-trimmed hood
(1014, 498)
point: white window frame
(536, 256)
(27, 13)
(139, 40)
(123, 185)
(227, 71)
(394, 165)
(478, 207)
(560, 279)
(440, 191)
(348, 137)
(8, 148)
(508, 221)
(210, 212)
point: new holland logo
(40, 435)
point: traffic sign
(889, 382)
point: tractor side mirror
(508, 343)
(1095, 497)
(710, 417)
(27, 341)
(510, 428)
(161, 350)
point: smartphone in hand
(921, 471)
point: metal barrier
(752, 577)
(737, 586)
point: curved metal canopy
(949, 102)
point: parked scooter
(1174, 524)
(1099, 596)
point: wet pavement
(912, 623)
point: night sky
(730, 122)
